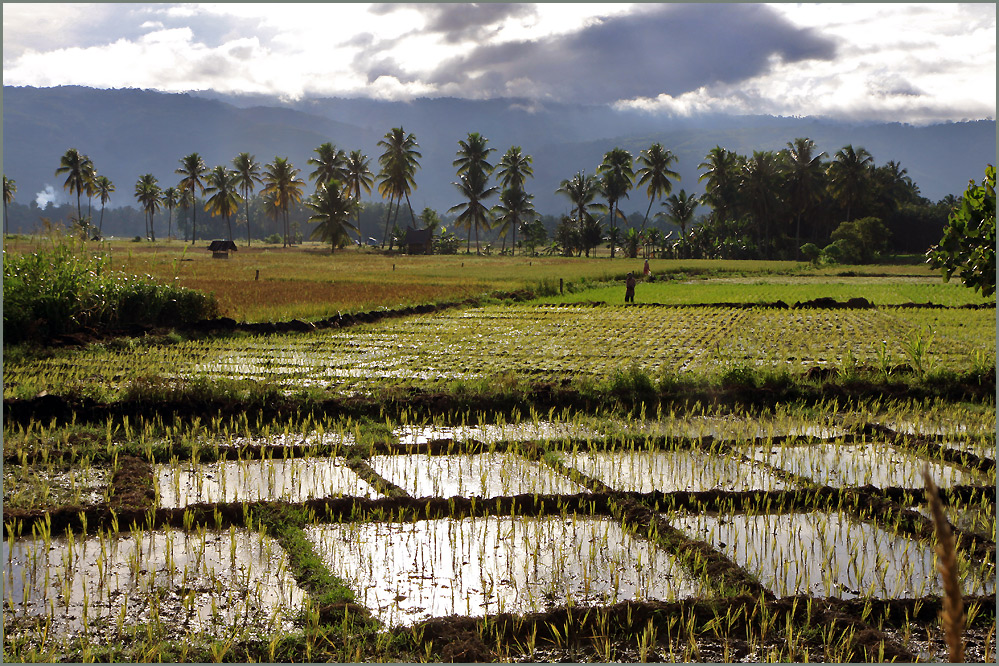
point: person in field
(646, 271)
(629, 289)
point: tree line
(759, 206)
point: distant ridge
(131, 132)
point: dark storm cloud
(457, 22)
(662, 49)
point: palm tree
(656, 173)
(514, 168)
(473, 155)
(333, 208)
(474, 170)
(893, 187)
(247, 173)
(170, 197)
(330, 164)
(9, 189)
(269, 205)
(848, 176)
(104, 188)
(76, 166)
(473, 213)
(225, 199)
(803, 173)
(359, 177)
(90, 185)
(616, 178)
(680, 210)
(582, 190)
(185, 200)
(281, 179)
(721, 169)
(147, 191)
(759, 182)
(514, 208)
(193, 169)
(398, 163)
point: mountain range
(130, 132)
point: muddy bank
(472, 639)
(543, 396)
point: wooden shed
(419, 241)
(220, 248)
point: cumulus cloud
(662, 49)
(906, 62)
(458, 22)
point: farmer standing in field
(629, 289)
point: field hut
(220, 249)
(419, 241)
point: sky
(912, 63)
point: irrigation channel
(539, 530)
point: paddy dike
(819, 385)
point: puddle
(471, 475)
(841, 465)
(827, 554)
(407, 573)
(29, 487)
(179, 582)
(493, 433)
(674, 471)
(291, 480)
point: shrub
(812, 253)
(861, 241)
(969, 240)
(64, 289)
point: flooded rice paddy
(179, 582)
(673, 471)
(410, 568)
(548, 342)
(881, 465)
(472, 475)
(828, 554)
(287, 480)
(498, 564)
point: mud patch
(33, 486)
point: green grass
(62, 287)
(878, 290)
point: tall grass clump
(65, 288)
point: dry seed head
(952, 615)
